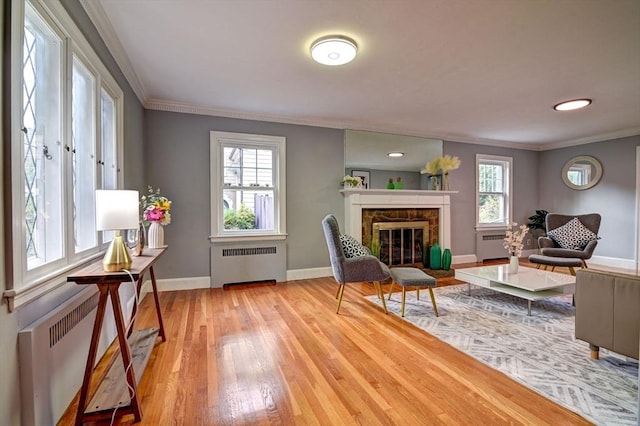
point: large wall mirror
(582, 172)
(369, 151)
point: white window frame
(278, 145)
(507, 163)
(24, 286)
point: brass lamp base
(117, 256)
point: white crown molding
(96, 13)
(591, 139)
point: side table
(119, 387)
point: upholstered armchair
(566, 240)
(363, 268)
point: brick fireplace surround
(357, 200)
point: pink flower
(154, 214)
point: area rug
(539, 351)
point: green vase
(391, 185)
(446, 259)
(435, 257)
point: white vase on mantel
(513, 265)
(155, 235)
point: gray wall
(177, 158)
(614, 197)
(463, 204)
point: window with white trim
(66, 142)
(247, 185)
(493, 187)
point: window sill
(255, 237)
(480, 228)
(16, 298)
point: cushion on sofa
(572, 235)
(352, 247)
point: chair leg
(572, 271)
(391, 289)
(381, 295)
(538, 266)
(404, 296)
(340, 292)
(433, 301)
(418, 293)
(584, 264)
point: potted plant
(537, 225)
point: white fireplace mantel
(357, 199)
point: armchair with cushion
(570, 236)
(360, 268)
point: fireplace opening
(399, 243)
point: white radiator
(53, 353)
(489, 245)
(242, 262)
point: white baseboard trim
(464, 258)
(613, 262)
(305, 274)
(172, 284)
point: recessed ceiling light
(334, 50)
(396, 154)
(572, 104)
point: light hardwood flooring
(279, 355)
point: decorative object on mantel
(443, 164)
(155, 214)
(399, 184)
(352, 181)
(391, 185)
(513, 244)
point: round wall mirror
(581, 172)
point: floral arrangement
(444, 163)
(155, 207)
(352, 181)
(513, 239)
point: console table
(119, 387)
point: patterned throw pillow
(572, 235)
(352, 247)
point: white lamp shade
(116, 209)
(334, 50)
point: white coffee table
(528, 283)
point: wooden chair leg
(572, 271)
(404, 296)
(584, 264)
(381, 295)
(418, 293)
(340, 292)
(433, 301)
(391, 289)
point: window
(494, 184)
(247, 185)
(66, 142)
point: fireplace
(399, 243)
(379, 205)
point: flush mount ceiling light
(334, 50)
(572, 104)
(396, 154)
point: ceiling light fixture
(334, 50)
(396, 154)
(572, 104)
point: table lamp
(116, 210)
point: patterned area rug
(539, 351)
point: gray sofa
(608, 311)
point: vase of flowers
(155, 214)
(513, 244)
(442, 164)
(352, 182)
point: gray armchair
(549, 247)
(355, 269)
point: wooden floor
(280, 355)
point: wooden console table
(135, 346)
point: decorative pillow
(351, 246)
(572, 235)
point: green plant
(243, 218)
(537, 221)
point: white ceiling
(485, 71)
